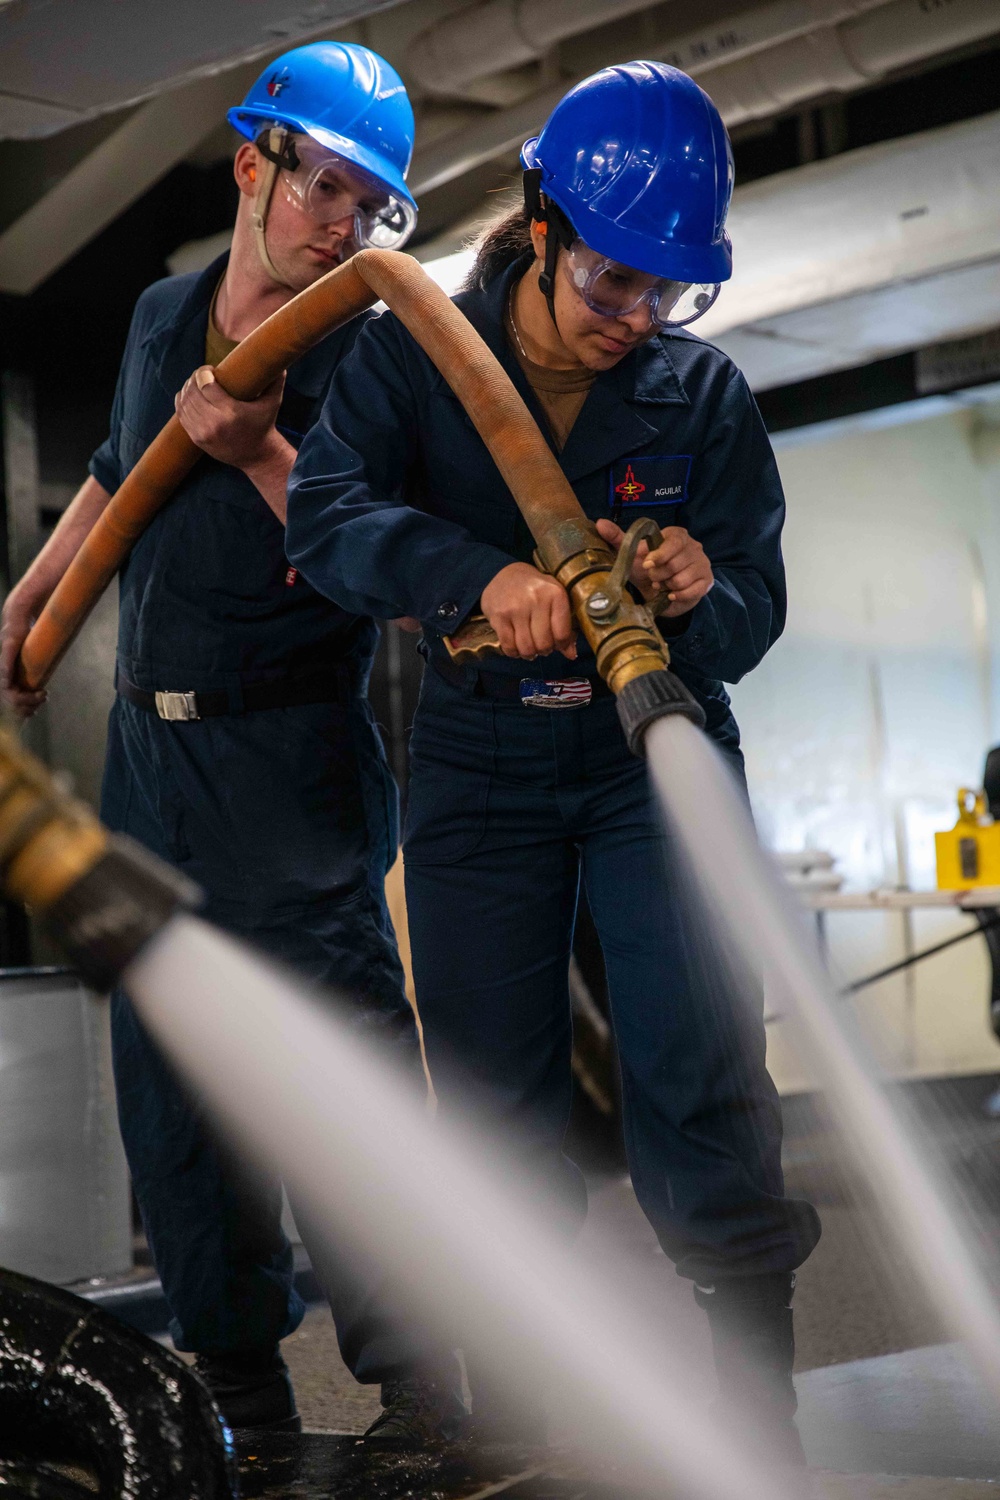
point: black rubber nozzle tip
(653, 696)
(103, 920)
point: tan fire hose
(623, 634)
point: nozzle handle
(643, 530)
(473, 641)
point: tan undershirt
(217, 346)
(561, 393)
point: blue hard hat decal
(278, 81)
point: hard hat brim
(248, 122)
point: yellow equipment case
(969, 854)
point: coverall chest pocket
(131, 447)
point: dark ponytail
(499, 246)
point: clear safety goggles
(613, 290)
(329, 188)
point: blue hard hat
(639, 161)
(347, 98)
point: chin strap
(278, 151)
(558, 232)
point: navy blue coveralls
(285, 816)
(395, 507)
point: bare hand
(409, 623)
(240, 433)
(530, 613)
(15, 622)
(679, 565)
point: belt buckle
(180, 706)
(559, 692)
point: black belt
(501, 688)
(320, 687)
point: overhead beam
(99, 188)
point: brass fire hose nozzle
(621, 633)
(632, 656)
(100, 895)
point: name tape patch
(651, 480)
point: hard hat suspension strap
(278, 151)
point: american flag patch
(563, 692)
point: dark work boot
(754, 1346)
(252, 1390)
(420, 1411)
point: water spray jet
(746, 898)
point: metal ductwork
(508, 33)
(502, 34)
(841, 58)
(767, 80)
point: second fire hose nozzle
(100, 895)
(103, 920)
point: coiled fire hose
(78, 1386)
(631, 655)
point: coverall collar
(181, 334)
(610, 424)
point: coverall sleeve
(739, 517)
(350, 530)
(105, 464)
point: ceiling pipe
(832, 59)
(842, 58)
(508, 33)
(501, 34)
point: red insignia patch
(630, 488)
(290, 577)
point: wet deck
(327, 1466)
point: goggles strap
(276, 154)
(278, 146)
